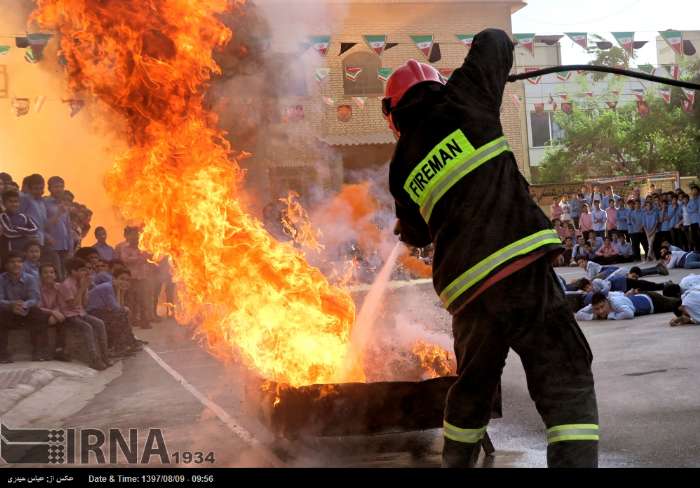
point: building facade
(335, 127)
(584, 91)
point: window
(544, 129)
(367, 82)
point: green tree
(615, 57)
(601, 143)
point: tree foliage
(602, 142)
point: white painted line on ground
(229, 421)
(170, 351)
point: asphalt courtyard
(646, 379)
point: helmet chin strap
(605, 69)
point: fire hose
(605, 69)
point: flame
(296, 223)
(434, 360)
(252, 298)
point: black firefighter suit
(457, 184)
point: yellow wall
(50, 142)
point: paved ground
(646, 376)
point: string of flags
(33, 44)
(430, 48)
(353, 73)
(21, 106)
(611, 100)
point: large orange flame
(254, 298)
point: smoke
(267, 101)
(49, 141)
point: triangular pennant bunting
(446, 72)
(389, 45)
(674, 39)
(665, 94)
(38, 39)
(466, 39)
(536, 80)
(580, 38)
(360, 101)
(564, 76)
(527, 41)
(4, 50)
(345, 47)
(646, 68)
(676, 71)
(642, 108)
(75, 106)
(33, 54)
(625, 40)
(689, 95)
(321, 74)
(376, 43)
(35, 51)
(639, 93)
(352, 73)
(20, 106)
(384, 73)
(320, 44)
(423, 43)
(435, 54)
(687, 106)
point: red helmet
(404, 77)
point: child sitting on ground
(102, 303)
(19, 307)
(73, 291)
(51, 302)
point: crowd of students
(51, 280)
(600, 230)
(608, 228)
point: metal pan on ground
(346, 409)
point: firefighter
(456, 184)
